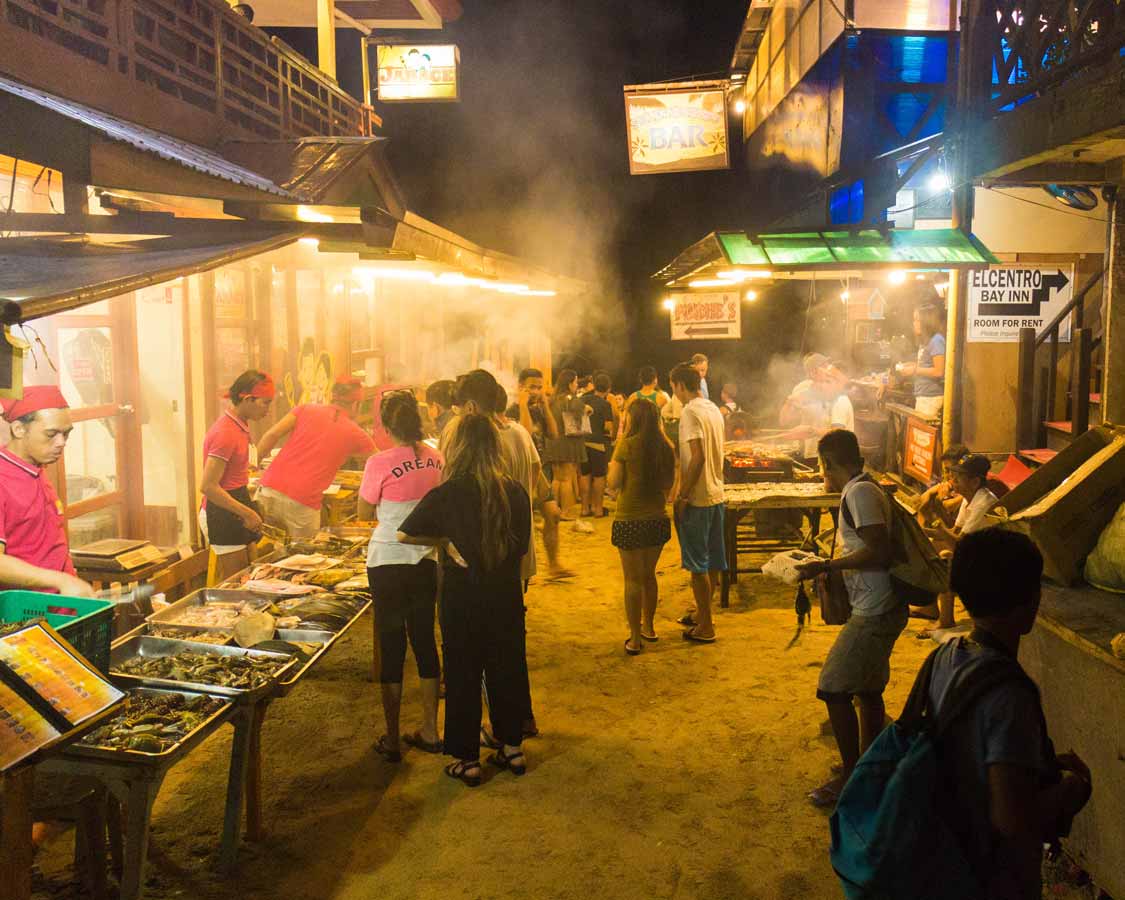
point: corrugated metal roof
(190, 155)
(41, 276)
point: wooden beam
(326, 36)
(1077, 113)
(1113, 387)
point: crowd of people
(452, 502)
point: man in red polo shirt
(33, 550)
(321, 437)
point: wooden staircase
(1042, 393)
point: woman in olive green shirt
(642, 471)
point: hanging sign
(1004, 299)
(418, 72)
(706, 317)
(683, 130)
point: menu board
(46, 691)
(919, 449)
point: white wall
(1029, 220)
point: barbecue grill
(746, 463)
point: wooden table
(743, 499)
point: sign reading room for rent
(1004, 299)
(676, 131)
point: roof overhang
(828, 253)
(41, 276)
(371, 14)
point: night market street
(678, 773)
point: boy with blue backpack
(958, 797)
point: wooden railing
(191, 68)
(1027, 46)
(1038, 382)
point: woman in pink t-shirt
(403, 577)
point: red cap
(40, 396)
(348, 387)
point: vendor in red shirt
(229, 517)
(321, 437)
(33, 549)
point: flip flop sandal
(487, 740)
(418, 742)
(696, 639)
(460, 770)
(632, 651)
(514, 763)
(824, 797)
(651, 638)
(687, 619)
(383, 748)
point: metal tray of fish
(178, 749)
(142, 646)
(206, 597)
(291, 679)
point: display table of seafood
(220, 655)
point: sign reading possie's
(418, 72)
(706, 317)
(677, 131)
(1004, 299)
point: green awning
(939, 248)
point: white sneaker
(583, 527)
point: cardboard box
(1083, 490)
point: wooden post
(1113, 384)
(16, 851)
(1081, 350)
(326, 36)
(365, 65)
(1053, 376)
(1025, 387)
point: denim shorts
(702, 544)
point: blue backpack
(889, 837)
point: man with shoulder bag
(858, 665)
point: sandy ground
(680, 773)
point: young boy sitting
(1010, 792)
(970, 477)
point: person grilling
(228, 518)
(34, 554)
(321, 437)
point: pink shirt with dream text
(401, 474)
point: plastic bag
(1105, 566)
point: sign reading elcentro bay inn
(418, 72)
(1004, 299)
(676, 130)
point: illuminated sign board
(1004, 299)
(677, 130)
(418, 72)
(698, 317)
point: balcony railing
(191, 68)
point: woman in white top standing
(403, 577)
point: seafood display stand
(744, 499)
(134, 779)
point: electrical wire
(1053, 207)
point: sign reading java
(1004, 299)
(699, 317)
(418, 72)
(677, 131)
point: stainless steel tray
(169, 614)
(180, 748)
(305, 636)
(151, 647)
(290, 680)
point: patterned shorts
(641, 534)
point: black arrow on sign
(1039, 296)
(692, 330)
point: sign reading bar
(418, 72)
(1004, 299)
(706, 317)
(683, 130)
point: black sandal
(418, 742)
(461, 769)
(502, 761)
(383, 748)
(632, 651)
(487, 740)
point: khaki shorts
(860, 660)
(280, 511)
